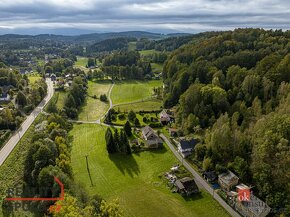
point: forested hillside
(110, 45)
(234, 90)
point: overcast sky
(81, 16)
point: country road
(12, 142)
(111, 105)
(199, 179)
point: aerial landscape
(144, 108)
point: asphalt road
(200, 181)
(12, 142)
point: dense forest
(110, 45)
(126, 64)
(173, 42)
(233, 89)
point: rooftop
(186, 144)
(228, 176)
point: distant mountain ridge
(93, 37)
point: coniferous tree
(111, 146)
(131, 116)
(137, 122)
(117, 140)
(128, 129)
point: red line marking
(41, 198)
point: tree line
(233, 89)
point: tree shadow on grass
(193, 197)
(126, 164)
(105, 81)
(160, 150)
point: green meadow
(136, 180)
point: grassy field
(60, 95)
(130, 91)
(150, 105)
(156, 67)
(135, 179)
(33, 78)
(94, 108)
(148, 52)
(81, 61)
(132, 46)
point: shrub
(103, 98)
(131, 116)
(121, 116)
(155, 125)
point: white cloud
(179, 15)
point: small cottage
(228, 180)
(186, 186)
(166, 116)
(4, 97)
(53, 77)
(152, 140)
(209, 176)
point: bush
(121, 117)
(131, 116)
(114, 118)
(155, 125)
(27, 109)
(103, 98)
(137, 122)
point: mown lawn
(60, 95)
(93, 108)
(33, 78)
(150, 105)
(134, 179)
(130, 91)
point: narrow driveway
(199, 179)
(12, 142)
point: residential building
(209, 176)
(254, 207)
(4, 97)
(185, 147)
(166, 116)
(152, 140)
(186, 186)
(228, 180)
(53, 77)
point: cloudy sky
(85, 16)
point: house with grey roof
(186, 146)
(151, 139)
